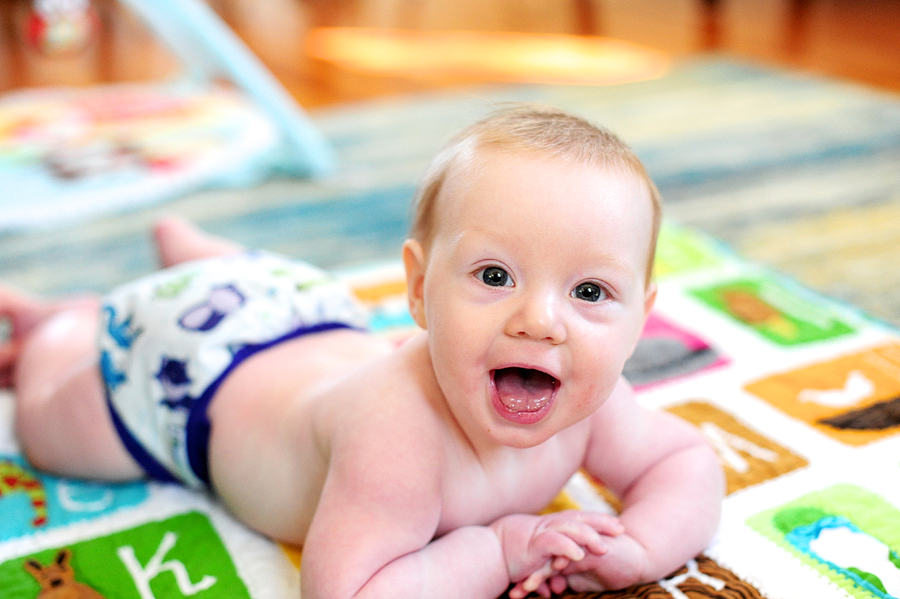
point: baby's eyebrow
(457, 239)
(618, 265)
(611, 259)
(481, 237)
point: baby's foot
(179, 241)
(19, 315)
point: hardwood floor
(851, 39)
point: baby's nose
(538, 317)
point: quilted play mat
(799, 393)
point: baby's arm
(379, 511)
(373, 556)
(671, 485)
(372, 532)
(471, 561)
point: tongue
(524, 390)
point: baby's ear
(414, 262)
(649, 298)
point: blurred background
(773, 125)
(852, 39)
(770, 125)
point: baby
(410, 471)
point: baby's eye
(589, 292)
(495, 277)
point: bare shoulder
(384, 450)
(380, 421)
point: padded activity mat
(797, 393)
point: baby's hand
(623, 564)
(537, 548)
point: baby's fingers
(535, 581)
(561, 544)
(603, 523)
(517, 592)
(583, 532)
(554, 583)
(558, 584)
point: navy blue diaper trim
(198, 427)
(153, 468)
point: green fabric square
(850, 513)
(782, 314)
(680, 250)
(181, 556)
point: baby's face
(534, 291)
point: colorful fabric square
(293, 553)
(32, 501)
(748, 457)
(667, 351)
(182, 556)
(854, 398)
(681, 250)
(169, 340)
(781, 313)
(848, 533)
(387, 305)
(562, 502)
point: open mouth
(523, 393)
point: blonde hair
(530, 128)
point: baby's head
(537, 130)
(529, 269)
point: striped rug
(795, 171)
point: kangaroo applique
(57, 579)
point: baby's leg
(62, 421)
(179, 241)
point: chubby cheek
(456, 354)
(596, 389)
(599, 368)
(456, 326)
